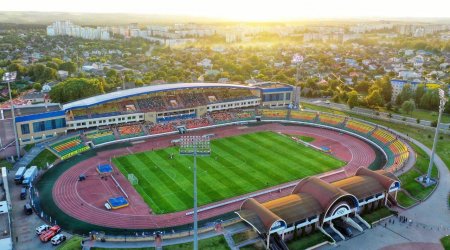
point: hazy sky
(244, 10)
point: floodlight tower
(195, 146)
(442, 101)
(9, 77)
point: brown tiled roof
(360, 186)
(313, 196)
(295, 207)
(385, 181)
(322, 191)
(258, 215)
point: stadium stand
(398, 147)
(359, 126)
(302, 115)
(383, 135)
(69, 147)
(244, 114)
(129, 131)
(100, 136)
(193, 99)
(274, 113)
(151, 103)
(161, 128)
(197, 123)
(128, 106)
(221, 116)
(331, 120)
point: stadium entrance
(315, 204)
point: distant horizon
(245, 11)
(46, 17)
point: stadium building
(316, 204)
(156, 104)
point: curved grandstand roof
(99, 99)
(313, 196)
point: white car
(107, 206)
(57, 239)
(42, 228)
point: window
(25, 128)
(288, 96)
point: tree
(37, 86)
(76, 88)
(352, 100)
(406, 94)
(408, 106)
(374, 98)
(70, 67)
(420, 91)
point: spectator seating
(398, 147)
(332, 120)
(192, 99)
(162, 128)
(274, 113)
(152, 103)
(303, 115)
(383, 135)
(69, 147)
(129, 131)
(128, 106)
(100, 136)
(400, 160)
(197, 123)
(221, 116)
(359, 126)
(244, 114)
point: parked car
(107, 206)
(23, 193)
(58, 239)
(28, 209)
(42, 228)
(47, 235)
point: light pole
(196, 146)
(9, 77)
(442, 101)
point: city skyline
(234, 10)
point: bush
(404, 119)
(377, 113)
(434, 124)
(418, 120)
(429, 136)
(389, 115)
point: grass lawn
(42, 158)
(73, 243)
(426, 115)
(416, 189)
(5, 163)
(305, 138)
(140, 248)
(445, 241)
(216, 243)
(243, 236)
(404, 200)
(308, 241)
(256, 246)
(237, 165)
(377, 215)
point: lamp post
(196, 146)
(442, 101)
(9, 77)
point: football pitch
(237, 165)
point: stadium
(278, 168)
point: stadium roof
(96, 100)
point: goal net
(133, 179)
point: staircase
(336, 237)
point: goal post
(133, 179)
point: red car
(47, 235)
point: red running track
(85, 200)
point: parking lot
(24, 226)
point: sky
(244, 10)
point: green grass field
(237, 165)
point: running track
(84, 200)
